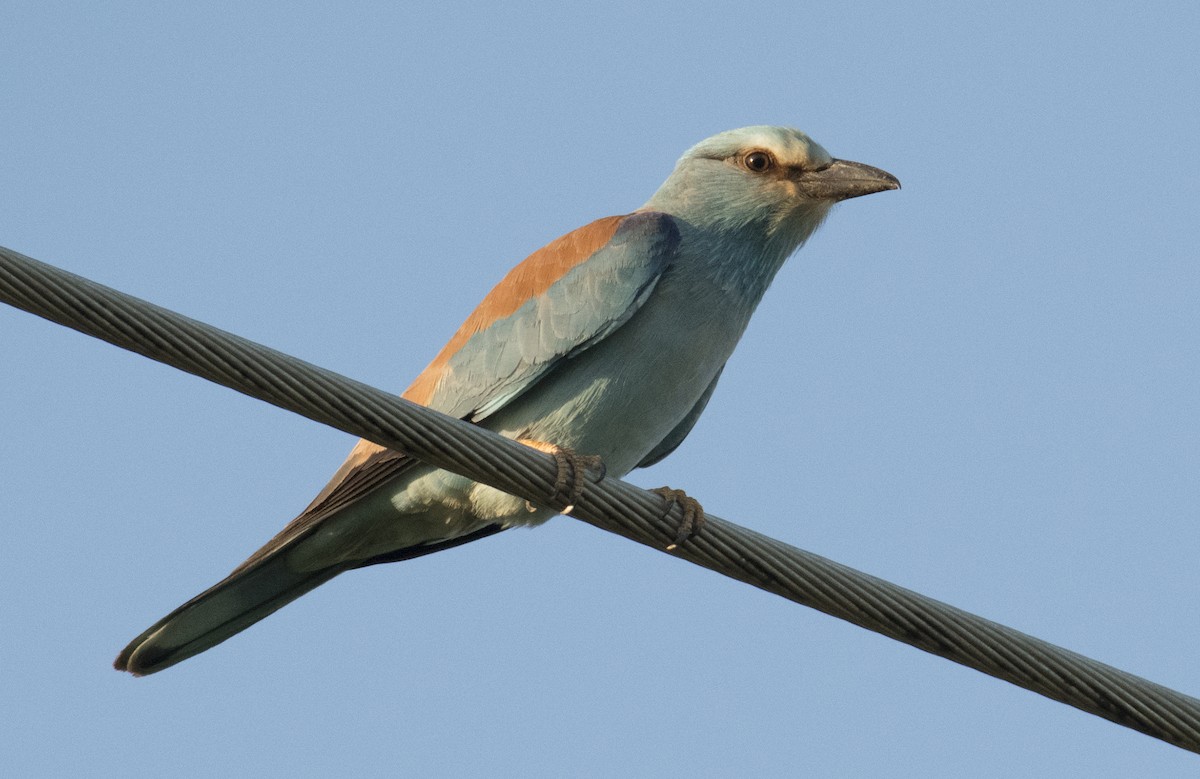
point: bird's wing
(676, 436)
(559, 301)
(562, 299)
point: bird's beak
(842, 180)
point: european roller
(607, 342)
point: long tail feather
(255, 590)
(221, 611)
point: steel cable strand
(610, 505)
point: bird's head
(773, 180)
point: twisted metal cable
(611, 504)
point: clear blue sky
(983, 387)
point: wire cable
(609, 504)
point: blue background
(983, 387)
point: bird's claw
(693, 514)
(571, 479)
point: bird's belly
(620, 398)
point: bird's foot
(693, 513)
(571, 479)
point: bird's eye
(757, 161)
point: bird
(602, 348)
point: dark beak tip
(886, 181)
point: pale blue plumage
(681, 430)
(609, 341)
(584, 306)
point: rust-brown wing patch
(532, 277)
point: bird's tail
(223, 610)
(257, 588)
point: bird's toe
(693, 513)
(571, 479)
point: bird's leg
(693, 513)
(572, 472)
